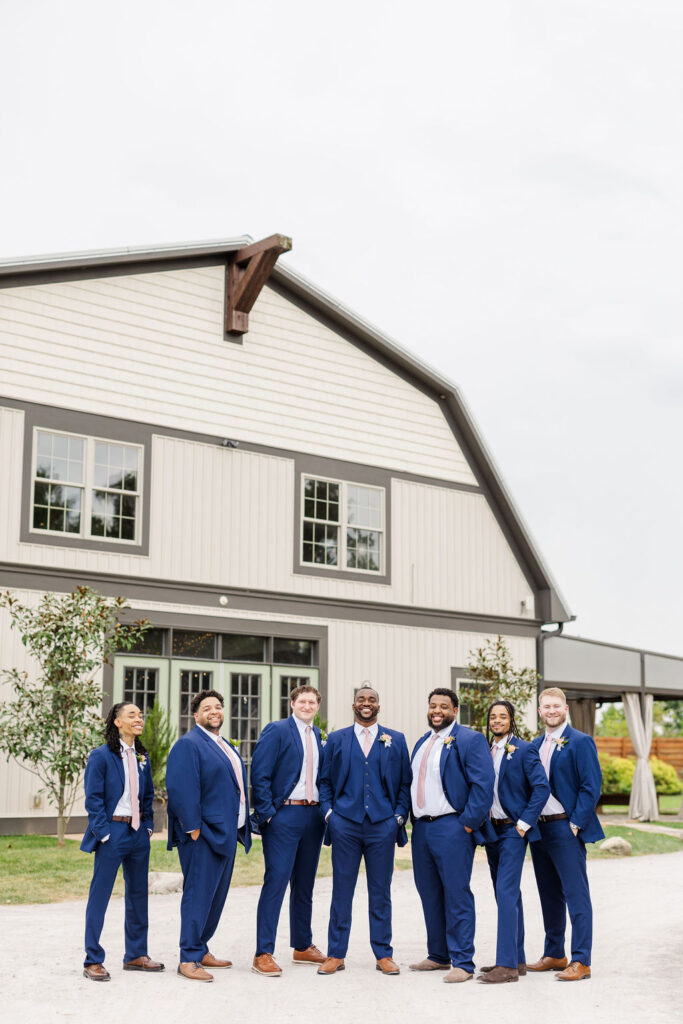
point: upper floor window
(86, 487)
(342, 525)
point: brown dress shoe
(548, 963)
(143, 963)
(499, 975)
(266, 966)
(575, 972)
(429, 965)
(96, 972)
(457, 975)
(312, 955)
(331, 965)
(387, 966)
(521, 969)
(194, 971)
(209, 960)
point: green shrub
(617, 773)
(667, 781)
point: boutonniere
(141, 759)
(561, 741)
(447, 742)
(509, 749)
(385, 738)
(234, 743)
(323, 737)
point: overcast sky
(497, 186)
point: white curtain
(643, 804)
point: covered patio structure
(592, 672)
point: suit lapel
(118, 760)
(384, 752)
(503, 765)
(348, 738)
(298, 742)
(557, 752)
(218, 753)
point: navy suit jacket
(203, 793)
(104, 784)
(467, 778)
(523, 788)
(394, 770)
(576, 781)
(276, 766)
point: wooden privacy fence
(666, 749)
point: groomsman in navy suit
(568, 821)
(452, 792)
(520, 792)
(207, 814)
(285, 770)
(365, 796)
(118, 798)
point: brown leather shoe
(194, 971)
(96, 972)
(575, 972)
(499, 975)
(521, 969)
(209, 960)
(331, 965)
(312, 955)
(143, 963)
(387, 966)
(266, 966)
(429, 965)
(457, 975)
(548, 963)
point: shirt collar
(301, 726)
(124, 746)
(445, 731)
(359, 729)
(501, 742)
(556, 733)
(214, 735)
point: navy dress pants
(559, 859)
(291, 849)
(206, 880)
(443, 853)
(506, 860)
(130, 849)
(375, 843)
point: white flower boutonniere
(561, 741)
(385, 738)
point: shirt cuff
(328, 814)
(104, 839)
(523, 825)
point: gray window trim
(51, 418)
(317, 466)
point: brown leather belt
(502, 821)
(301, 803)
(551, 817)
(127, 818)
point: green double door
(255, 694)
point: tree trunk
(61, 819)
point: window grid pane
(245, 711)
(140, 686)
(352, 540)
(191, 683)
(287, 684)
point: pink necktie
(367, 742)
(309, 765)
(236, 765)
(546, 752)
(423, 772)
(133, 782)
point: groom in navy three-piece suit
(365, 797)
(207, 814)
(568, 821)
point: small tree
(493, 676)
(158, 736)
(54, 722)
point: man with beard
(452, 792)
(365, 797)
(207, 814)
(520, 792)
(568, 821)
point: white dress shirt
(360, 733)
(435, 799)
(299, 791)
(235, 765)
(552, 805)
(124, 807)
(497, 810)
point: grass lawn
(642, 842)
(34, 870)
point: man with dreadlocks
(519, 794)
(118, 798)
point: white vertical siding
(151, 347)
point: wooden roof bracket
(247, 271)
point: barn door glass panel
(190, 679)
(141, 680)
(284, 681)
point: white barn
(283, 491)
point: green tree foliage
(158, 736)
(493, 676)
(54, 722)
(617, 775)
(612, 722)
(667, 719)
